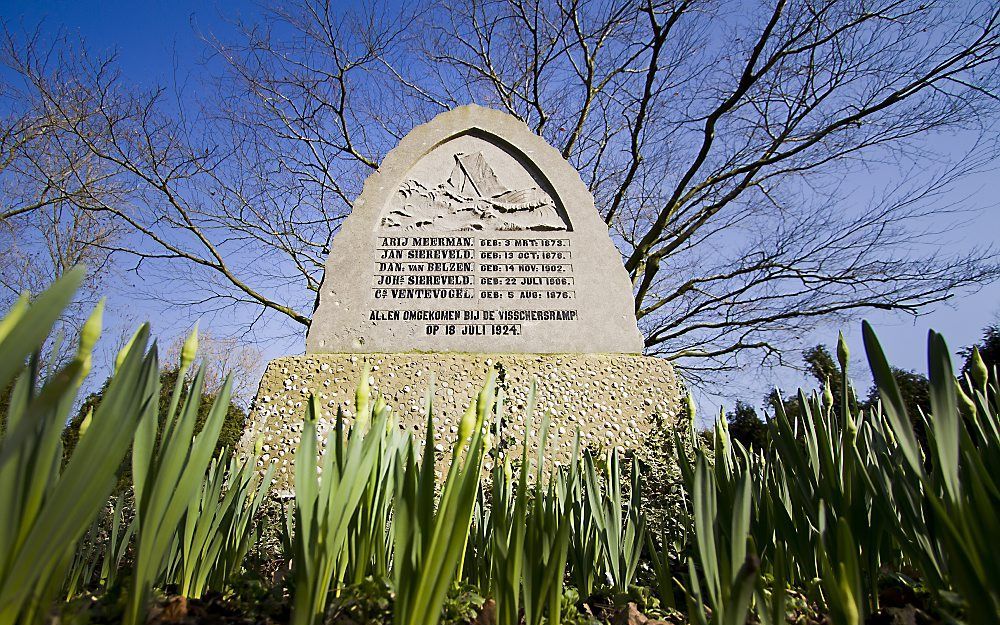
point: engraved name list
(473, 284)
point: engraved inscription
(539, 271)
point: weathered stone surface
(474, 235)
(475, 248)
(614, 399)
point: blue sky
(158, 42)
(148, 34)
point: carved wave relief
(472, 198)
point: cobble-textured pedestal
(613, 399)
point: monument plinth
(475, 246)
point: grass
(846, 516)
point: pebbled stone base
(614, 399)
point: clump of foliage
(847, 493)
(53, 497)
(45, 508)
(233, 423)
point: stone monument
(474, 247)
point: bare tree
(736, 150)
(158, 181)
(47, 178)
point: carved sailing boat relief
(472, 198)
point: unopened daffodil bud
(827, 394)
(465, 427)
(190, 348)
(85, 424)
(89, 334)
(978, 371)
(92, 329)
(722, 428)
(851, 426)
(966, 405)
(843, 353)
(483, 403)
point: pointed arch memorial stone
(474, 236)
(474, 247)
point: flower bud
(190, 348)
(91, 329)
(827, 394)
(85, 424)
(484, 400)
(978, 371)
(851, 426)
(89, 334)
(86, 363)
(966, 405)
(690, 409)
(467, 424)
(722, 429)
(843, 353)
